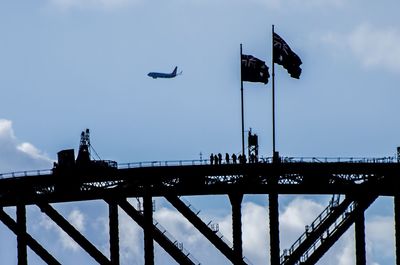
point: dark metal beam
(170, 247)
(293, 178)
(397, 226)
(360, 238)
(148, 230)
(32, 243)
(274, 228)
(274, 215)
(21, 240)
(74, 233)
(202, 227)
(114, 232)
(236, 202)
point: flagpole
(273, 196)
(241, 97)
(273, 95)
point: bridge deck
(290, 176)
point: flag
(284, 56)
(254, 69)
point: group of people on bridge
(216, 159)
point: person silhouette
(212, 158)
(227, 158)
(234, 158)
(219, 158)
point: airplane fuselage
(163, 75)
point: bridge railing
(193, 162)
(26, 173)
(178, 244)
(310, 228)
(388, 159)
(331, 230)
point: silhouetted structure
(361, 181)
(253, 147)
(398, 154)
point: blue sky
(67, 65)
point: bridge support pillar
(360, 238)
(236, 202)
(274, 218)
(114, 230)
(148, 229)
(397, 226)
(21, 235)
(274, 228)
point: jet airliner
(164, 75)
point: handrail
(314, 225)
(199, 162)
(26, 173)
(213, 226)
(178, 244)
(339, 221)
(389, 159)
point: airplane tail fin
(174, 72)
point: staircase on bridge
(209, 230)
(325, 230)
(161, 236)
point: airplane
(164, 75)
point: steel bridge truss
(360, 183)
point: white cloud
(373, 47)
(177, 225)
(319, 3)
(376, 47)
(255, 232)
(32, 151)
(131, 240)
(76, 218)
(380, 236)
(293, 217)
(91, 4)
(379, 242)
(299, 213)
(115, 4)
(16, 155)
(345, 254)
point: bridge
(360, 180)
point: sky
(68, 65)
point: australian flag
(284, 56)
(254, 69)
